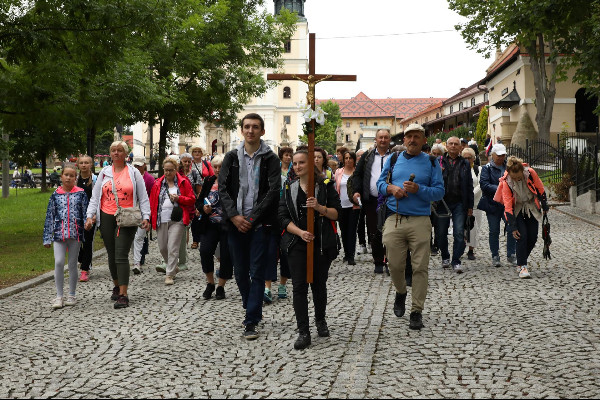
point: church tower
(296, 6)
(279, 105)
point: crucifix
(311, 79)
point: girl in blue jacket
(64, 227)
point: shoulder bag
(126, 217)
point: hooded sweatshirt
(65, 215)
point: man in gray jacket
(249, 185)
(364, 183)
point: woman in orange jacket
(522, 193)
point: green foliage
(460, 132)
(325, 134)
(482, 127)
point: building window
(473, 102)
(451, 109)
(437, 115)
(375, 123)
(362, 124)
(347, 124)
(287, 47)
(287, 119)
(287, 92)
(486, 97)
(460, 106)
(347, 138)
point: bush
(460, 132)
(561, 188)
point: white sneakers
(169, 280)
(524, 273)
(71, 301)
(58, 303)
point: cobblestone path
(487, 334)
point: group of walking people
(230, 202)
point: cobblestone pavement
(487, 334)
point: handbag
(126, 217)
(177, 213)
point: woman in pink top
(350, 212)
(131, 191)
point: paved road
(487, 334)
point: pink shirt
(124, 187)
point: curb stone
(38, 280)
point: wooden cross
(311, 79)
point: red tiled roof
(510, 54)
(361, 106)
(427, 110)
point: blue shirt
(427, 176)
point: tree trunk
(164, 131)
(44, 186)
(91, 145)
(545, 85)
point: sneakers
(496, 261)
(446, 263)
(169, 280)
(471, 255)
(524, 273)
(282, 291)
(267, 297)
(250, 332)
(512, 260)
(182, 267)
(416, 321)
(122, 302)
(71, 301)
(457, 268)
(435, 250)
(84, 277)
(220, 295)
(136, 269)
(162, 268)
(322, 328)
(302, 342)
(400, 305)
(115, 294)
(378, 269)
(362, 249)
(210, 288)
(57, 303)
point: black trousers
(528, 229)
(348, 221)
(374, 235)
(297, 261)
(361, 228)
(87, 249)
(195, 228)
(212, 236)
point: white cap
(139, 161)
(414, 127)
(498, 149)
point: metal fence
(573, 154)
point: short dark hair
(426, 148)
(253, 116)
(342, 150)
(284, 150)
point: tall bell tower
(296, 6)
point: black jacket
(269, 186)
(326, 195)
(466, 180)
(361, 178)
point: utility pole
(5, 168)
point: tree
(325, 134)
(209, 62)
(539, 27)
(482, 127)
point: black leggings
(213, 235)
(297, 261)
(528, 229)
(118, 243)
(348, 221)
(87, 249)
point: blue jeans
(250, 258)
(494, 227)
(458, 232)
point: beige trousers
(410, 233)
(169, 238)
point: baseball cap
(498, 149)
(139, 161)
(414, 127)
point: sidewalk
(487, 334)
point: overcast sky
(398, 65)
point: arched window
(287, 92)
